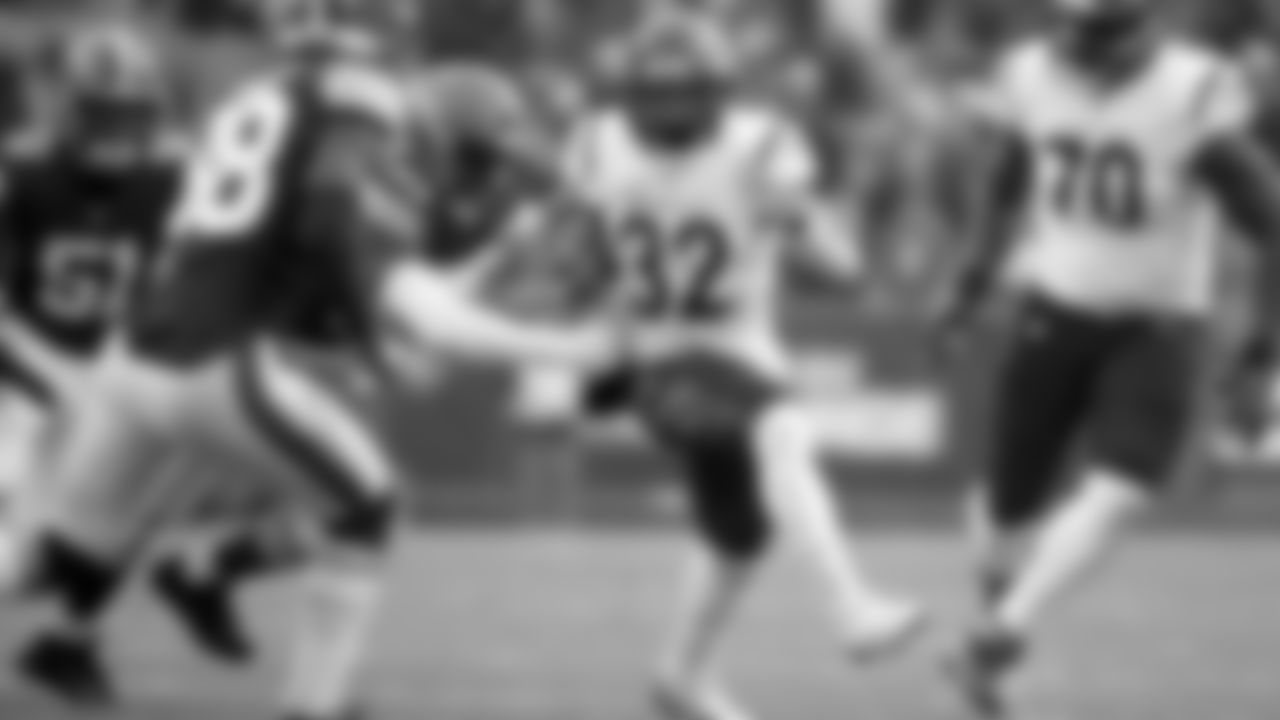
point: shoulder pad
(1027, 57)
(365, 90)
(172, 147)
(1217, 91)
(587, 143)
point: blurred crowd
(869, 78)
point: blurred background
(867, 77)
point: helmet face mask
(1106, 37)
(676, 87)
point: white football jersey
(1117, 222)
(699, 266)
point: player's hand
(593, 346)
(954, 321)
(1247, 389)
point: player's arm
(1240, 174)
(999, 200)
(819, 234)
(364, 189)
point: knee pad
(367, 524)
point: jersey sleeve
(995, 97)
(788, 161)
(1225, 102)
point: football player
(297, 228)
(86, 203)
(469, 127)
(698, 200)
(1118, 148)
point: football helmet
(115, 94)
(676, 78)
(470, 99)
(345, 27)
(1106, 36)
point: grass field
(562, 626)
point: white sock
(1072, 544)
(341, 607)
(802, 505)
(713, 592)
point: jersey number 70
(1097, 181)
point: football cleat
(886, 631)
(207, 610)
(676, 700)
(70, 669)
(981, 668)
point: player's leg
(1143, 421)
(295, 427)
(734, 536)
(24, 425)
(1043, 394)
(1142, 407)
(798, 494)
(752, 464)
(31, 378)
(228, 536)
(85, 528)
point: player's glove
(959, 313)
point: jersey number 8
(1102, 181)
(231, 183)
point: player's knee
(738, 537)
(368, 523)
(1144, 460)
(1112, 496)
(784, 429)
(727, 499)
(1014, 505)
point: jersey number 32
(672, 272)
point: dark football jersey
(248, 260)
(76, 237)
(477, 189)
